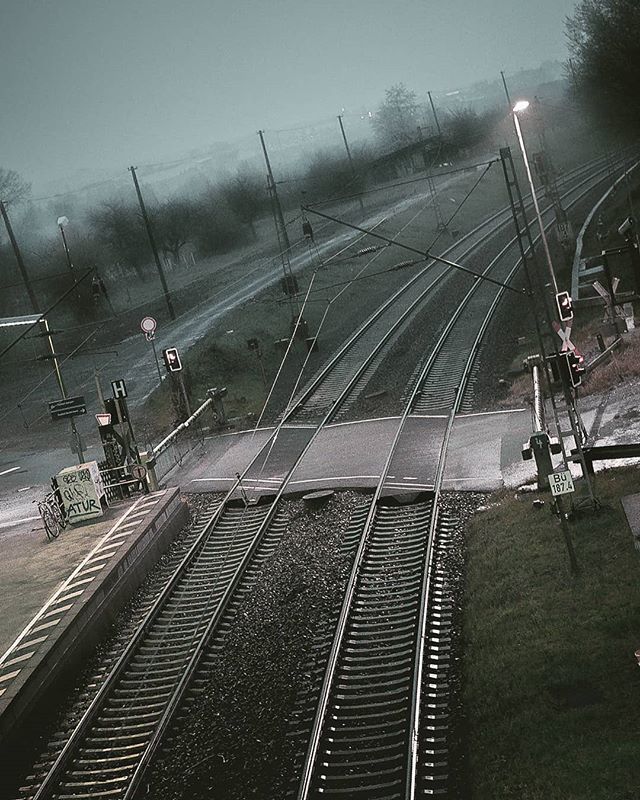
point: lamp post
(572, 409)
(62, 221)
(522, 105)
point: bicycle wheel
(50, 520)
(60, 515)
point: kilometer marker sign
(561, 482)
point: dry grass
(551, 682)
(623, 363)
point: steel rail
(336, 647)
(86, 719)
(322, 375)
(200, 647)
(332, 663)
(91, 713)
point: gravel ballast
(233, 743)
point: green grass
(551, 685)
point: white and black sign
(119, 388)
(69, 407)
(138, 471)
(148, 326)
(561, 482)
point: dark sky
(108, 83)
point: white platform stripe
(95, 568)
(107, 553)
(46, 625)
(18, 659)
(58, 610)
(83, 582)
(72, 587)
(113, 543)
(30, 643)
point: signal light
(172, 359)
(576, 368)
(565, 306)
(567, 368)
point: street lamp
(62, 222)
(522, 105)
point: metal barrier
(119, 483)
(171, 451)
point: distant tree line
(604, 67)
(401, 121)
(110, 236)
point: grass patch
(551, 685)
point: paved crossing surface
(484, 454)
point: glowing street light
(522, 105)
(62, 222)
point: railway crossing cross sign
(565, 335)
(119, 388)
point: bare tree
(13, 188)
(329, 175)
(604, 43)
(217, 229)
(396, 119)
(173, 224)
(118, 226)
(246, 196)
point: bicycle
(53, 515)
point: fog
(89, 88)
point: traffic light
(172, 359)
(576, 368)
(565, 306)
(567, 368)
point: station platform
(58, 597)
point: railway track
(109, 750)
(357, 360)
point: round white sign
(138, 471)
(148, 325)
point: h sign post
(119, 389)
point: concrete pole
(346, 147)
(147, 224)
(16, 250)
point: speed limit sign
(148, 326)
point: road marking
(7, 471)
(493, 413)
(17, 521)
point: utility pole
(274, 193)
(61, 386)
(547, 176)
(62, 221)
(346, 147)
(435, 116)
(163, 281)
(506, 91)
(435, 201)
(16, 251)
(281, 232)
(527, 253)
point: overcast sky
(109, 83)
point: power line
(425, 254)
(403, 183)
